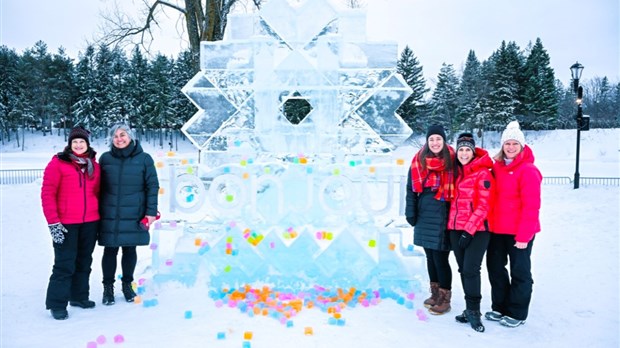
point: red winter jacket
(474, 193)
(70, 196)
(517, 197)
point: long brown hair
(444, 154)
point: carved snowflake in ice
(350, 86)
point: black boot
(83, 304)
(473, 317)
(108, 294)
(461, 318)
(128, 291)
(59, 314)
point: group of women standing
(466, 202)
(85, 202)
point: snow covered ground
(575, 266)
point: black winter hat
(467, 140)
(79, 132)
(436, 129)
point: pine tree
(159, 95)
(9, 92)
(444, 101)
(615, 106)
(62, 88)
(87, 107)
(182, 72)
(566, 106)
(136, 92)
(116, 92)
(470, 94)
(504, 85)
(411, 71)
(539, 99)
(598, 101)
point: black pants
(128, 263)
(438, 266)
(510, 295)
(469, 261)
(72, 265)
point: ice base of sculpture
(287, 224)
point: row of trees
(40, 90)
(510, 84)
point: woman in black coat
(129, 189)
(430, 188)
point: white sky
(437, 31)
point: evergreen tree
(504, 85)
(159, 88)
(9, 92)
(598, 98)
(182, 72)
(136, 96)
(539, 99)
(444, 101)
(116, 92)
(567, 108)
(615, 106)
(36, 88)
(62, 88)
(470, 94)
(411, 71)
(88, 106)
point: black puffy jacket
(430, 216)
(129, 189)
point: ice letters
(295, 188)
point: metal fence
(19, 176)
(584, 180)
(27, 176)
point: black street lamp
(575, 71)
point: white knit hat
(513, 132)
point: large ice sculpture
(296, 122)
(311, 52)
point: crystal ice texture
(296, 117)
(310, 52)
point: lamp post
(576, 70)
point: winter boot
(431, 301)
(443, 302)
(108, 294)
(59, 314)
(473, 318)
(83, 304)
(128, 291)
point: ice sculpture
(296, 189)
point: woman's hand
(520, 245)
(150, 220)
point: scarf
(434, 176)
(83, 162)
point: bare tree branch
(205, 20)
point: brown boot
(431, 301)
(443, 302)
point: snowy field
(575, 267)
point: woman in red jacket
(468, 224)
(514, 221)
(70, 204)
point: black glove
(411, 220)
(465, 240)
(57, 231)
